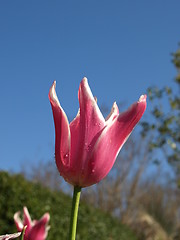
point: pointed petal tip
(52, 94)
(114, 112)
(46, 217)
(53, 87)
(18, 221)
(115, 108)
(25, 210)
(84, 82)
(54, 84)
(142, 98)
(84, 79)
(114, 105)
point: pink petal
(39, 230)
(113, 114)
(27, 220)
(111, 140)
(62, 131)
(10, 236)
(18, 221)
(74, 128)
(85, 128)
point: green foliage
(164, 123)
(16, 192)
(176, 61)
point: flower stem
(74, 213)
(22, 233)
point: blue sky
(122, 47)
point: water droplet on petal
(66, 156)
(93, 170)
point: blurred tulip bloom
(86, 149)
(10, 236)
(36, 229)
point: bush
(16, 192)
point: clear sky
(122, 47)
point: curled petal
(62, 131)
(18, 221)
(40, 229)
(111, 140)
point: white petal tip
(84, 80)
(25, 210)
(114, 105)
(114, 112)
(53, 87)
(18, 221)
(142, 98)
(47, 217)
(52, 93)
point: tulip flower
(10, 236)
(86, 149)
(36, 229)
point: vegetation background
(16, 192)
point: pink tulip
(35, 230)
(86, 149)
(10, 236)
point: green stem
(74, 213)
(22, 233)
